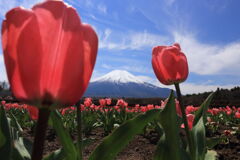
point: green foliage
(211, 155)
(199, 140)
(13, 146)
(203, 109)
(64, 137)
(212, 142)
(120, 137)
(56, 155)
(198, 134)
(5, 136)
(164, 121)
(89, 119)
(170, 141)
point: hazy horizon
(207, 30)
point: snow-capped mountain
(119, 76)
(120, 83)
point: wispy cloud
(132, 40)
(207, 59)
(88, 3)
(169, 2)
(130, 68)
(102, 8)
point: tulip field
(50, 55)
(98, 121)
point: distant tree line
(222, 98)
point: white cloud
(89, 3)
(136, 68)
(106, 66)
(132, 40)
(3, 74)
(147, 79)
(169, 2)
(129, 68)
(207, 59)
(73, 3)
(102, 8)
(96, 74)
(189, 88)
(7, 5)
(186, 87)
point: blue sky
(207, 30)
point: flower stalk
(40, 131)
(79, 129)
(185, 122)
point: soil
(141, 147)
(230, 148)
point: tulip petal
(82, 61)
(48, 53)
(29, 50)
(157, 67)
(90, 53)
(16, 21)
(70, 57)
(4, 35)
(59, 24)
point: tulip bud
(49, 54)
(190, 119)
(169, 64)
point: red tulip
(169, 64)
(88, 102)
(237, 115)
(102, 102)
(108, 101)
(33, 112)
(49, 54)
(190, 119)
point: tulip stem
(40, 131)
(79, 128)
(185, 122)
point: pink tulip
(237, 115)
(49, 53)
(102, 102)
(33, 112)
(108, 101)
(169, 64)
(88, 102)
(190, 119)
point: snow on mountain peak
(119, 76)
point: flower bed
(100, 120)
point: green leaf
(56, 155)
(212, 142)
(203, 109)
(120, 137)
(169, 144)
(20, 151)
(199, 140)
(5, 137)
(14, 123)
(211, 155)
(64, 137)
(161, 148)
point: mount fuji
(120, 83)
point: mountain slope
(119, 83)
